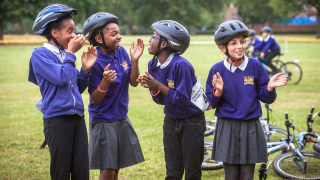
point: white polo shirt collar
(242, 67)
(55, 51)
(166, 63)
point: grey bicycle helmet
(228, 30)
(97, 20)
(49, 14)
(177, 35)
(252, 32)
(266, 29)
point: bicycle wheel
(316, 147)
(294, 72)
(209, 164)
(210, 127)
(286, 166)
(277, 134)
(278, 64)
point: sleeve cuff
(270, 92)
(84, 75)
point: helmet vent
(222, 29)
(231, 25)
(166, 24)
(177, 27)
(240, 25)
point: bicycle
(304, 137)
(295, 163)
(210, 127)
(209, 164)
(272, 134)
(292, 69)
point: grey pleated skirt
(113, 145)
(239, 142)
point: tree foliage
(15, 10)
(256, 11)
(293, 8)
(131, 13)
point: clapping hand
(109, 75)
(277, 80)
(217, 83)
(136, 50)
(88, 58)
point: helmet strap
(233, 61)
(157, 53)
(106, 49)
(61, 49)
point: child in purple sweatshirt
(235, 87)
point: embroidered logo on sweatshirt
(170, 83)
(124, 64)
(248, 80)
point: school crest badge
(124, 64)
(248, 80)
(170, 83)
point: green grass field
(21, 125)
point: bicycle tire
(210, 128)
(288, 171)
(316, 147)
(278, 64)
(209, 164)
(294, 72)
(278, 134)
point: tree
(15, 10)
(256, 11)
(293, 8)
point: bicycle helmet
(98, 21)
(49, 14)
(228, 30)
(252, 32)
(266, 29)
(177, 36)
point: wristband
(155, 93)
(103, 91)
(215, 93)
(69, 52)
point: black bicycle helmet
(227, 31)
(266, 29)
(177, 35)
(252, 32)
(49, 14)
(99, 21)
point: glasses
(152, 36)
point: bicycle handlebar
(312, 109)
(310, 119)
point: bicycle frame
(303, 136)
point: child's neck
(163, 56)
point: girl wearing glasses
(235, 87)
(113, 142)
(171, 81)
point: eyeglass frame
(152, 36)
